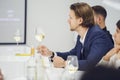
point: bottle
(41, 69)
(31, 66)
(35, 67)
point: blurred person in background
(101, 73)
(92, 42)
(114, 54)
(100, 15)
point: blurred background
(52, 17)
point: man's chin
(72, 29)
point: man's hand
(44, 51)
(113, 51)
(58, 62)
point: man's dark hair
(100, 10)
(84, 11)
(118, 24)
(101, 73)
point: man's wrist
(65, 63)
(52, 55)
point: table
(13, 68)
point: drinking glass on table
(39, 34)
(72, 65)
(17, 38)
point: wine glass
(72, 65)
(39, 34)
(17, 38)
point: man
(100, 15)
(92, 42)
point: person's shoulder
(96, 30)
(97, 33)
(106, 30)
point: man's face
(73, 21)
(96, 19)
(99, 19)
(117, 36)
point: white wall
(52, 17)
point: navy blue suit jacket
(96, 45)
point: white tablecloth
(13, 68)
(56, 74)
(53, 74)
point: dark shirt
(108, 33)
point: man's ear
(100, 18)
(80, 20)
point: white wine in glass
(17, 36)
(17, 39)
(39, 37)
(72, 69)
(39, 34)
(72, 65)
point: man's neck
(81, 31)
(102, 25)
